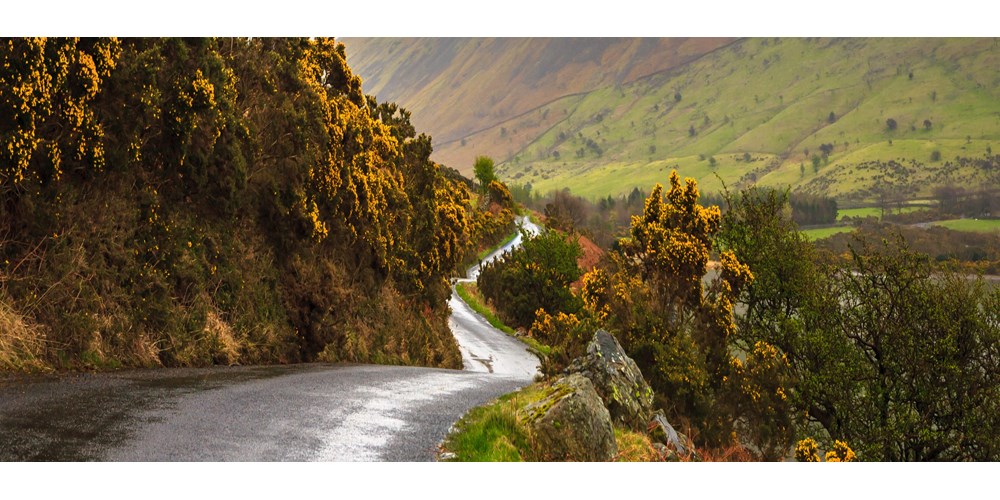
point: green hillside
(456, 87)
(762, 108)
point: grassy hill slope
(456, 87)
(761, 108)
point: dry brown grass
(22, 343)
(732, 453)
(388, 329)
(224, 346)
(635, 447)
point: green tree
(483, 170)
(920, 355)
(881, 354)
(758, 228)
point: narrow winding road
(309, 412)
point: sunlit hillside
(809, 113)
(456, 87)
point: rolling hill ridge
(456, 87)
(824, 116)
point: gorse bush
(807, 450)
(649, 293)
(199, 201)
(566, 334)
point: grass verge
(470, 294)
(21, 342)
(497, 432)
(494, 432)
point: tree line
(605, 220)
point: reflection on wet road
(299, 412)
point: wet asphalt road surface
(280, 413)
(484, 348)
(308, 412)
(523, 222)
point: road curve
(484, 348)
(308, 412)
(522, 223)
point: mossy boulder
(617, 380)
(571, 423)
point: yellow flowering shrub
(47, 91)
(807, 450)
(167, 191)
(651, 295)
(759, 394)
(841, 452)
(566, 334)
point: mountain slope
(760, 108)
(776, 102)
(458, 86)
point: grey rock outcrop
(571, 423)
(617, 379)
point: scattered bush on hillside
(483, 170)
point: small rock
(666, 454)
(571, 423)
(446, 456)
(662, 432)
(618, 380)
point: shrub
(535, 275)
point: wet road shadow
(80, 417)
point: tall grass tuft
(22, 343)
